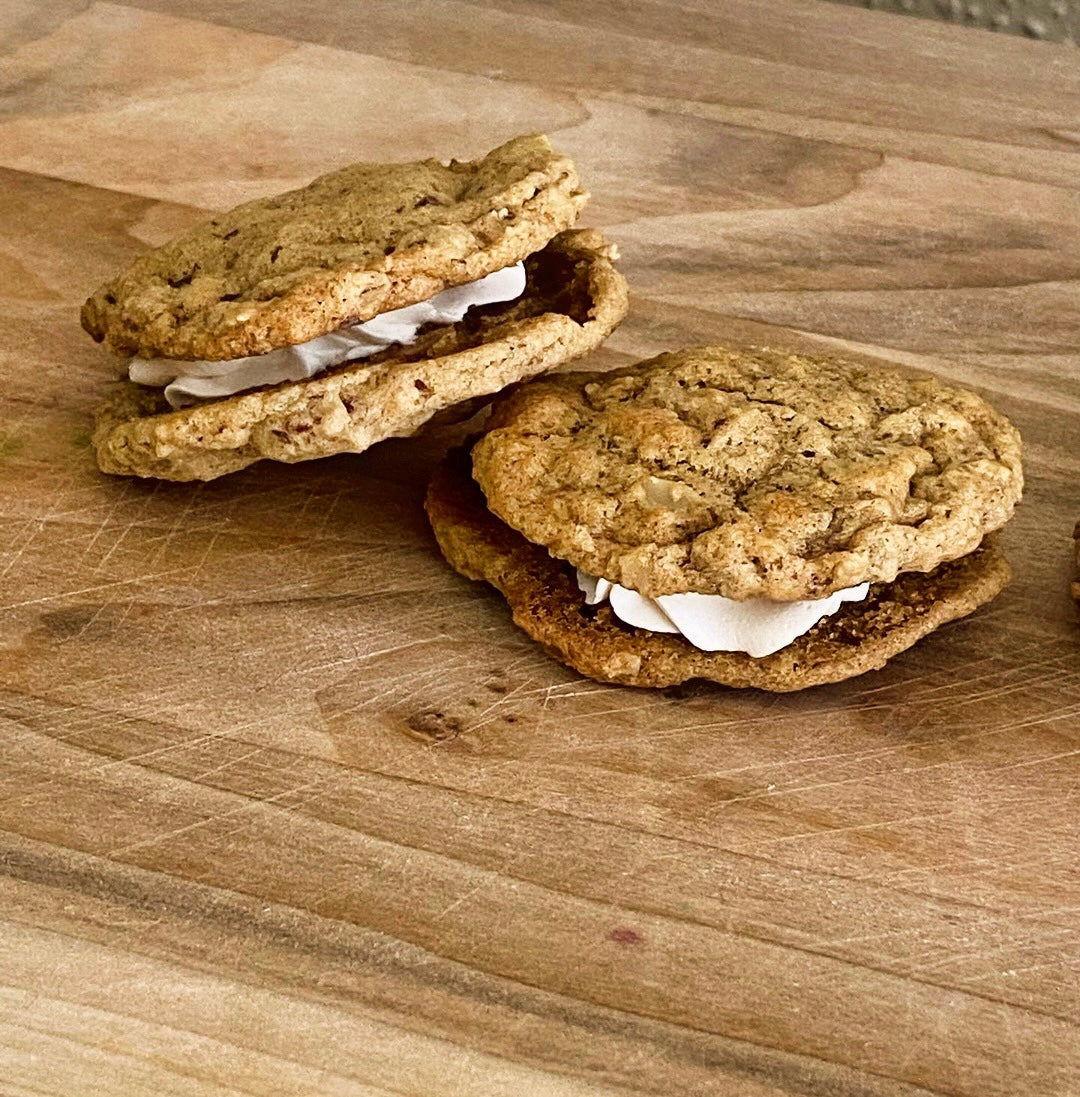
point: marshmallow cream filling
(711, 622)
(189, 382)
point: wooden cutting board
(290, 808)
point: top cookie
(749, 474)
(352, 244)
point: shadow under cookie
(545, 601)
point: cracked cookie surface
(573, 299)
(547, 604)
(750, 474)
(357, 242)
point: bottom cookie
(545, 601)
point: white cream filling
(710, 622)
(189, 382)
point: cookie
(358, 242)
(749, 474)
(547, 604)
(574, 297)
(1076, 582)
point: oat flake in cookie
(820, 513)
(347, 260)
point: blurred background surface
(1048, 20)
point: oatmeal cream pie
(755, 518)
(354, 309)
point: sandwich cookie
(354, 309)
(753, 518)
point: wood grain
(289, 808)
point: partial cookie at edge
(393, 394)
(1076, 545)
(546, 604)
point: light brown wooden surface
(289, 808)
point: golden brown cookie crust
(788, 476)
(352, 244)
(574, 298)
(546, 603)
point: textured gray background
(1050, 20)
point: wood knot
(434, 727)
